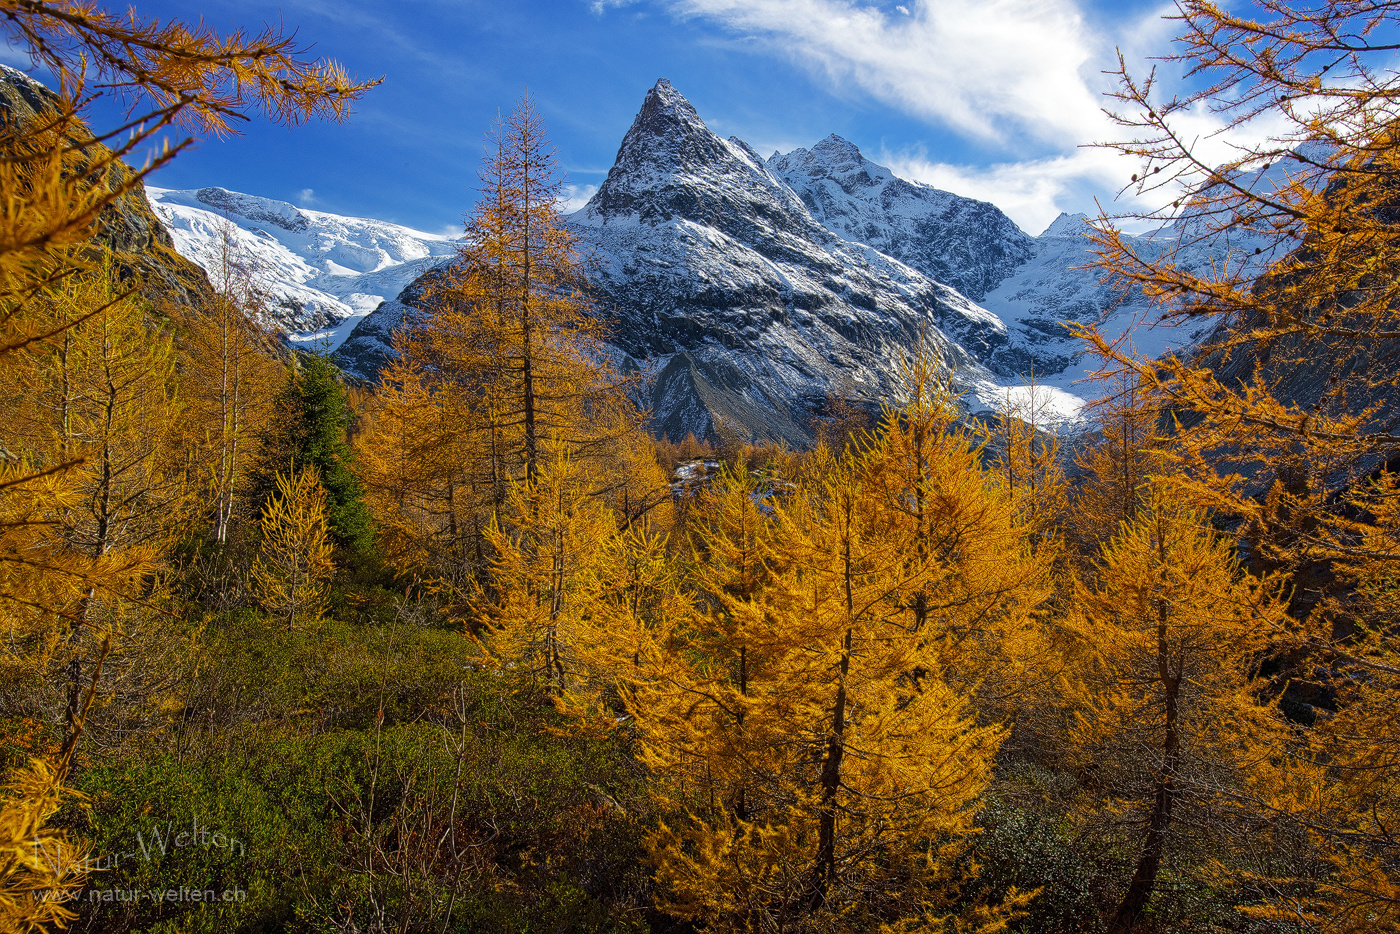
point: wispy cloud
(306, 198)
(14, 56)
(575, 197)
(1000, 71)
(1032, 192)
(1020, 77)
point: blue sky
(989, 98)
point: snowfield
(322, 272)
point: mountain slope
(1057, 286)
(141, 244)
(967, 244)
(322, 272)
(751, 292)
(716, 279)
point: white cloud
(306, 197)
(575, 197)
(996, 70)
(1023, 77)
(1010, 74)
(1032, 192)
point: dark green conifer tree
(309, 430)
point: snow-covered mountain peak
(263, 210)
(321, 272)
(671, 165)
(716, 277)
(968, 244)
(841, 159)
(751, 292)
(667, 135)
(668, 122)
(1068, 225)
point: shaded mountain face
(967, 244)
(371, 343)
(716, 279)
(142, 246)
(1058, 287)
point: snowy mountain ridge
(967, 244)
(714, 274)
(322, 272)
(748, 291)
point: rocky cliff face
(752, 291)
(967, 244)
(716, 279)
(144, 248)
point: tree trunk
(825, 871)
(100, 547)
(741, 810)
(1164, 790)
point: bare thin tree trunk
(825, 870)
(1164, 790)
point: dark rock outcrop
(128, 227)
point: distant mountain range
(747, 290)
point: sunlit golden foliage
(1170, 718)
(509, 328)
(985, 546)
(1284, 421)
(1023, 441)
(811, 724)
(55, 184)
(1296, 377)
(84, 475)
(294, 564)
(1116, 464)
(97, 399)
(40, 867)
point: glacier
(321, 273)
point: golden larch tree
(575, 598)
(1284, 420)
(828, 768)
(982, 549)
(1172, 720)
(503, 361)
(99, 398)
(294, 564)
(508, 324)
